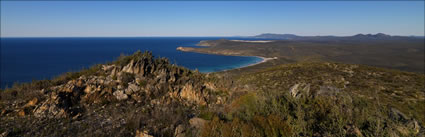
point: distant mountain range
(378, 36)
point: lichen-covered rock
(59, 105)
(189, 93)
(143, 133)
(131, 89)
(120, 95)
(179, 131)
(197, 122)
(32, 102)
(298, 90)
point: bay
(27, 59)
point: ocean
(27, 59)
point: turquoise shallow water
(239, 64)
(27, 59)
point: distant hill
(378, 36)
(278, 36)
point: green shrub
(126, 78)
(143, 83)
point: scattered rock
(407, 124)
(132, 88)
(89, 89)
(59, 105)
(188, 92)
(179, 132)
(328, 90)
(298, 90)
(197, 123)
(21, 113)
(143, 133)
(4, 134)
(353, 130)
(120, 95)
(31, 103)
(3, 112)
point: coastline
(263, 60)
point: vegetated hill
(139, 95)
(402, 54)
(323, 99)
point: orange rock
(21, 113)
(3, 112)
(142, 134)
(32, 102)
(80, 83)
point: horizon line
(198, 36)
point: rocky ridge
(139, 81)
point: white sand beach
(253, 41)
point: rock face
(189, 93)
(60, 104)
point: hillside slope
(402, 54)
(323, 99)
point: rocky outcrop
(139, 83)
(189, 93)
(59, 104)
(136, 77)
(406, 124)
(185, 49)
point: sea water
(27, 59)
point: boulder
(197, 123)
(179, 131)
(89, 89)
(143, 133)
(328, 90)
(190, 94)
(21, 113)
(131, 89)
(32, 102)
(57, 106)
(407, 123)
(120, 95)
(398, 116)
(298, 90)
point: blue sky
(208, 18)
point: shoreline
(264, 60)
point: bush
(126, 78)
